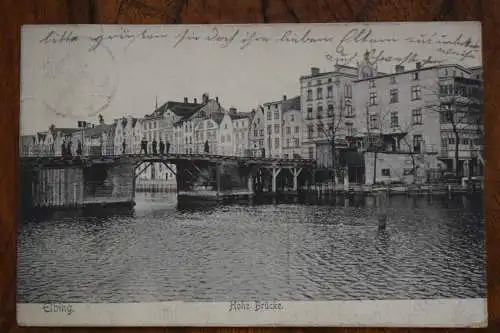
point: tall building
(256, 133)
(424, 110)
(274, 125)
(327, 111)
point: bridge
(69, 181)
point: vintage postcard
(252, 175)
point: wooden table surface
(17, 12)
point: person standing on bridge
(207, 147)
(79, 148)
(144, 146)
(124, 146)
(168, 147)
(162, 147)
(63, 148)
(70, 143)
(154, 144)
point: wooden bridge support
(295, 174)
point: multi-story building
(226, 135)
(327, 111)
(291, 129)
(421, 111)
(256, 135)
(241, 127)
(204, 119)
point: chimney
(284, 97)
(418, 65)
(195, 102)
(204, 98)
(185, 99)
(314, 71)
(400, 68)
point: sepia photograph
(252, 175)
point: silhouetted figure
(79, 148)
(69, 147)
(124, 146)
(154, 144)
(168, 147)
(63, 148)
(207, 148)
(162, 147)
(144, 146)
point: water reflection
(317, 249)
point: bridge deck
(165, 158)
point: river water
(158, 251)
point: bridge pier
(275, 173)
(295, 174)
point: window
(297, 129)
(394, 119)
(348, 109)
(415, 93)
(417, 142)
(416, 116)
(276, 128)
(371, 84)
(318, 82)
(269, 129)
(311, 153)
(228, 138)
(276, 115)
(319, 93)
(269, 115)
(222, 139)
(310, 132)
(225, 126)
(394, 96)
(320, 112)
(320, 129)
(414, 76)
(292, 117)
(285, 156)
(349, 129)
(330, 110)
(446, 114)
(373, 121)
(386, 172)
(309, 112)
(329, 92)
(348, 91)
(309, 95)
(288, 130)
(261, 132)
(373, 98)
(295, 142)
(276, 142)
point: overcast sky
(70, 76)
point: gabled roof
(217, 117)
(240, 115)
(100, 129)
(181, 109)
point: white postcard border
(379, 313)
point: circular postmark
(76, 83)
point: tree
(459, 105)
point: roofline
(415, 70)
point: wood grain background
(17, 12)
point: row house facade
(234, 133)
(194, 131)
(128, 135)
(256, 135)
(276, 124)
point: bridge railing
(169, 156)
